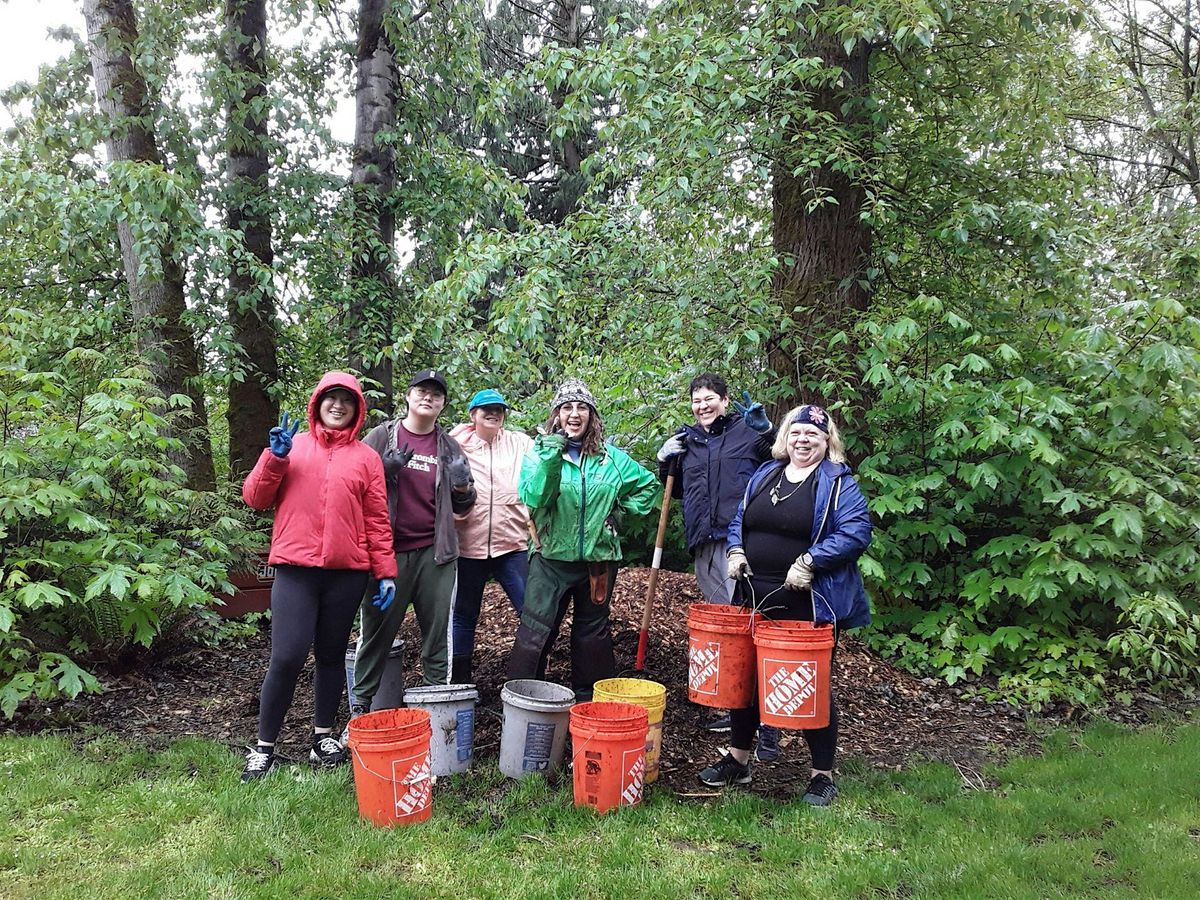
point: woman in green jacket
(573, 483)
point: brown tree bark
(253, 411)
(822, 251)
(372, 181)
(166, 344)
(566, 33)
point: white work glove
(737, 566)
(800, 575)
(672, 446)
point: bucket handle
(755, 606)
(370, 771)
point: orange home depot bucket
(721, 655)
(391, 766)
(608, 752)
(651, 695)
(793, 673)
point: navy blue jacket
(716, 468)
(841, 533)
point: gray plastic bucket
(451, 709)
(391, 686)
(535, 726)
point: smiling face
(708, 406)
(573, 419)
(337, 409)
(488, 420)
(806, 445)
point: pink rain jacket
(498, 523)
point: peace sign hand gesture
(280, 437)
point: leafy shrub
(101, 546)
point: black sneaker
(725, 772)
(719, 725)
(768, 744)
(821, 791)
(327, 751)
(260, 761)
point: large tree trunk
(166, 344)
(566, 33)
(823, 249)
(373, 180)
(252, 408)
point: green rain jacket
(570, 503)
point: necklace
(775, 498)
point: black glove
(459, 471)
(395, 460)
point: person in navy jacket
(795, 542)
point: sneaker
(327, 751)
(259, 763)
(768, 744)
(821, 791)
(719, 725)
(356, 710)
(727, 771)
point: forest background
(968, 229)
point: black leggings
(782, 604)
(309, 608)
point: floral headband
(812, 415)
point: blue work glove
(385, 595)
(395, 460)
(753, 413)
(459, 471)
(280, 437)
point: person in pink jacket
(331, 531)
(493, 536)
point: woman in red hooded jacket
(331, 531)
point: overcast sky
(23, 42)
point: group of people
(415, 514)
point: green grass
(1105, 812)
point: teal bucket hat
(487, 397)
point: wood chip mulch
(889, 717)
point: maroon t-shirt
(418, 481)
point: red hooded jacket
(329, 495)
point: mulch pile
(888, 716)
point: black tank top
(774, 532)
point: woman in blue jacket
(795, 542)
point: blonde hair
(836, 452)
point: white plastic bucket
(451, 711)
(535, 729)
(391, 687)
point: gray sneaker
(725, 772)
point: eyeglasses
(428, 393)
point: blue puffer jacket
(716, 468)
(841, 533)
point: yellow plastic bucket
(648, 694)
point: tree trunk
(823, 249)
(166, 344)
(253, 411)
(372, 181)
(566, 34)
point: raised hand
(753, 413)
(396, 459)
(672, 446)
(280, 437)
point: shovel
(652, 584)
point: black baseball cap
(433, 375)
